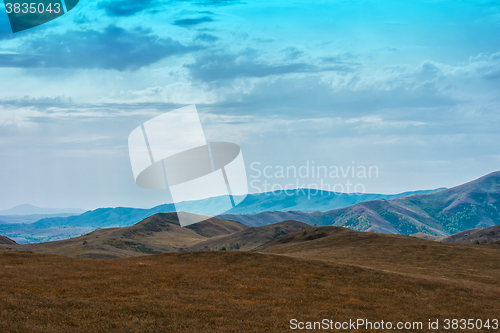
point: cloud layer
(112, 48)
(411, 88)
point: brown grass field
(236, 291)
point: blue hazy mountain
(299, 200)
(27, 209)
(7, 219)
(105, 217)
(305, 200)
(473, 205)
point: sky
(410, 89)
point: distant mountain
(56, 228)
(27, 209)
(6, 219)
(436, 212)
(304, 200)
(475, 204)
(156, 234)
(475, 236)
(253, 203)
(105, 217)
(6, 241)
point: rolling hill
(156, 234)
(251, 237)
(389, 252)
(162, 233)
(475, 236)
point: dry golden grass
(224, 291)
(251, 237)
(394, 253)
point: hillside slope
(388, 252)
(156, 234)
(6, 241)
(251, 237)
(475, 236)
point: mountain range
(302, 200)
(63, 227)
(162, 233)
(475, 204)
(438, 213)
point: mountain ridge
(56, 228)
(475, 204)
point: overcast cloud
(409, 87)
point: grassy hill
(156, 234)
(251, 237)
(475, 236)
(427, 236)
(395, 253)
(162, 233)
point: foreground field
(470, 264)
(223, 291)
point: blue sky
(409, 87)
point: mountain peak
(27, 209)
